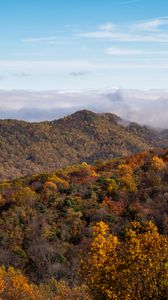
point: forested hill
(27, 148)
(46, 219)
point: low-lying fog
(144, 107)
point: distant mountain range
(27, 148)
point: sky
(80, 46)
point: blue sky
(82, 44)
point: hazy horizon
(146, 107)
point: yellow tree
(127, 180)
(158, 163)
(133, 268)
(96, 268)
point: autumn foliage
(46, 223)
(134, 267)
(13, 285)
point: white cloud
(121, 3)
(26, 66)
(127, 51)
(122, 51)
(126, 37)
(134, 105)
(107, 26)
(40, 39)
(152, 25)
(144, 31)
(151, 30)
(51, 40)
(51, 67)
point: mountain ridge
(27, 148)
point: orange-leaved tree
(14, 285)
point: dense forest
(87, 231)
(83, 150)
(28, 148)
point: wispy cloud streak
(133, 52)
(143, 31)
(126, 2)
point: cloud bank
(144, 107)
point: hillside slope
(46, 219)
(27, 148)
